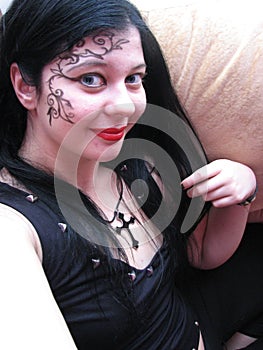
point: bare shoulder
(15, 227)
(28, 308)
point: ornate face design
(104, 43)
(100, 82)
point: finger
(218, 194)
(208, 187)
(223, 202)
(201, 175)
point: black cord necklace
(125, 223)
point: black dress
(156, 316)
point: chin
(108, 156)
(105, 155)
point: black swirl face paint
(59, 106)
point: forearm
(218, 236)
(230, 187)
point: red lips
(112, 134)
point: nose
(120, 102)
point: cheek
(83, 106)
(140, 106)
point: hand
(222, 182)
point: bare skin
(239, 341)
(92, 93)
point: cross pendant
(125, 225)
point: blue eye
(134, 79)
(92, 80)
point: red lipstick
(112, 134)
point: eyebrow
(100, 63)
(142, 65)
(87, 63)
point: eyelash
(92, 76)
(102, 81)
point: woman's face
(92, 96)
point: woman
(89, 258)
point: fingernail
(182, 185)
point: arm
(256, 216)
(225, 183)
(29, 317)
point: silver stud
(132, 275)
(197, 324)
(31, 198)
(149, 271)
(140, 196)
(62, 226)
(124, 167)
(95, 263)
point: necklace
(125, 224)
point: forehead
(102, 44)
(106, 47)
(105, 42)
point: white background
(4, 4)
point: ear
(26, 94)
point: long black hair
(32, 34)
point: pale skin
(118, 78)
(225, 183)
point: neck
(81, 173)
(94, 180)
